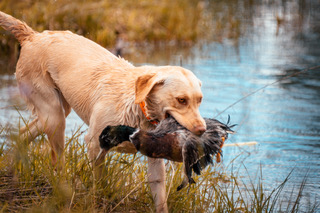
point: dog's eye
(182, 101)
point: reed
(28, 182)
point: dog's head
(174, 91)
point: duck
(172, 141)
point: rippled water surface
(273, 41)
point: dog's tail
(19, 29)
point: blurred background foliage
(136, 21)
(178, 22)
(141, 20)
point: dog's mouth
(196, 126)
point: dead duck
(172, 141)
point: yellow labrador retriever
(59, 70)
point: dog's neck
(144, 111)
(133, 116)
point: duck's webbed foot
(185, 183)
(191, 181)
(182, 185)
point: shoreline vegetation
(29, 183)
(137, 23)
(134, 22)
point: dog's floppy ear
(144, 85)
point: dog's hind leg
(50, 109)
(32, 130)
(52, 119)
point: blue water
(284, 118)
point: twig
(71, 200)
(249, 143)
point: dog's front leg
(157, 182)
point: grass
(28, 182)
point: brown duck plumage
(172, 141)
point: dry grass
(138, 21)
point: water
(270, 41)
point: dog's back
(64, 65)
